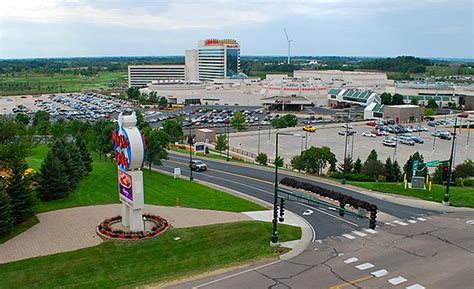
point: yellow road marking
(345, 284)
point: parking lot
(358, 145)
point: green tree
(279, 162)
(392, 171)
(289, 120)
(347, 166)
(20, 192)
(54, 182)
(357, 166)
(58, 129)
(15, 142)
(102, 137)
(414, 100)
(429, 112)
(163, 103)
(397, 99)
(174, 129)
(85, 155)
(438, 175)
(141, 123)
(221, 143)
(22, 118)
(386, 98)
(262, 159)
(6, 218)
(41, 116)
(372, 166)
(157, 143)
(432, 104)
(315, 160)
(238, 121)
(77, 165)
(397, 173)
(133, 93)
(464, 170)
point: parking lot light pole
(190, 142)
(434, 140)
(446, 194)
(258, 145)
(343, 181)
(468, 133)
(227, 137)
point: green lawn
(112, 265)
(100, 187)
(33, 83)
(458, 197)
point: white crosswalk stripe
(370, 231)
(348, 236)
(400, 223)
(365, 266)
(379, 273)
(351, 260)
(415, 286)
(421, 219)
(359, 233)
(397, 280)
(412, 221)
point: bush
(353, 177)
(262, 159)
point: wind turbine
(289, 44)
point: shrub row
(341, 198)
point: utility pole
(446, 194)
(306, 144)
(468, 133)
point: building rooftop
(403, 105)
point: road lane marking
(359, 233)
(370, 231)
(351, 260)
(308, 212)
(397, 280)
(365, 266)
(421, 219)
(379, 273)
(236, 274)
(349, 283)
(349, 236)
(415, 286)
(336, 217)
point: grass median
(112, 265)
(458, 197)
(100, 187)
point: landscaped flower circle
(106, 231)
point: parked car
(197, 165)
(445, 136)
(463, 114)
(368, 134)
(407, 141)
(417, 139)
(349, 132)
(309, 128)
(389, 143)
(347, 126)
(371, 123)
(433, 123)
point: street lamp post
(343, 181)
(434, 140)
(468, 133)
(306, 144)
(446, 194)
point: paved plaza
(72, 229)
(359, 146)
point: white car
(368, 134)
(347, 126)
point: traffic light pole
(448, 182)
(190, 142)
(274, 241)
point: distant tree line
(403, 64)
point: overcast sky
(53, 28)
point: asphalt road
(258, 183)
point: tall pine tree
(58, 149)
(6, 218)
(357, 166)
(19, 190)
(75, 161)
(54, 182)
(85, 155)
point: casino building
(213, 59)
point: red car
(464, 114)
(376, 132)
(371, 123)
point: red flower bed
(105, 231)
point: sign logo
(129, 143)
(125, 186)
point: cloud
(197, 14)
